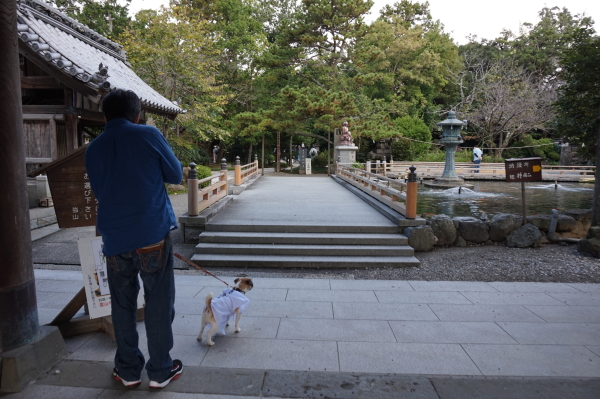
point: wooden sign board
(74, 202)
(523, 169)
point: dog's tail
(207, 302)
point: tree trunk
(250, 153)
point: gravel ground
(550, 263)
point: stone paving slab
(260, 294)
(487, 313)
(382, 311)
(480, 388)
(443, 332)
(595, 349)
(534, 360)
(578, 299)
(331, 296)
(252, 327)
(363, 285)
(278, 354)
(421, 297)
(298, 310)
(296, 283)
(451, 286)
(585, 287)
(554, 333)
(531, 287)
(405, 358)
(336, 330)
(336, 385)
(573, 314)
(57, 392)
(512, 298)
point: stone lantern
(451, 138)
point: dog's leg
(211, 332)
(202, 326)
(238, 316)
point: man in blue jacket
(128, 166)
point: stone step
(305, 250)
(302, 238)
(283, 261)
(299, 228)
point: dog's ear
(250, 283)
(236, 280)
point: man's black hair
(121, 104)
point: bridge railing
(200, 198)
(388, 191)
(245, 172)
(492, 171)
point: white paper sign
(95, 277)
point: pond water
(498, 196)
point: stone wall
(460, 231)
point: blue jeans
(155, 266)
(476, 162)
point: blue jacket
(127, 166)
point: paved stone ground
(330, 337)
(355, 339)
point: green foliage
(107, 17)
(358, 165)
(438, 155)
(578, 105)
(547, 152)
(187, 153)
(410, 128)
(320, 161)
(203, 172)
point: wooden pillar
(237, 176)
(411, 194)
(18, 307)
(71, 132)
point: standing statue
(346, 135)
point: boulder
(443, 229)
(460, 242)
(472, 229)
(581, 215)
(421, 238)
(589, 246)
(502, 224)
(542, 222)
(524, 236)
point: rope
(189, 262)
(485, 148)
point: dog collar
(238, 290)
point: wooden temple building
(66, 69)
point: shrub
(320, 161)
(546, 152)
(203, 172)
(411, 128)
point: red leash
(189, 262)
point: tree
(177, 57)
(578, 105)
(107, 17)
(502, 101)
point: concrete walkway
(302, 334)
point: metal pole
(18, 306)
(523, 202)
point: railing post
(337, 166)
(384, 166)
(368, 166)
(411, 194)
(193, 190)
(256, 164)
(224, 176)
(237, 177)
(377, 165)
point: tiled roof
(82, 53)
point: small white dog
(218, 311)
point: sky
(464, 17)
